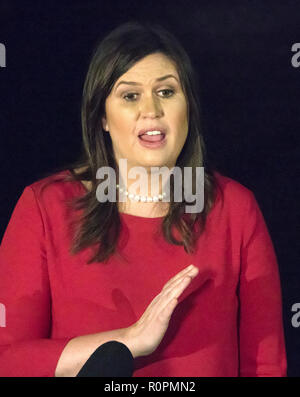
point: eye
(129, 97)
(168, 90)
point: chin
(154, 163)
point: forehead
(150, 67)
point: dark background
(250, 95)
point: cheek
(181, 123)
(180, 112)
(120, 119)
(121, 125)
(181, 128)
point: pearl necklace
(137, 197)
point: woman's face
(147, 103)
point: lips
(152, 142)
(152, 138)
(153, 128)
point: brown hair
(113, 56)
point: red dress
(228, 323)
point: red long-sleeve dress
(228, 322)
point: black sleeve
(112, 359)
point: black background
(249, 90)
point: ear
(104, 123)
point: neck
(146, 182)
(147, 210)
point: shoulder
(48, 195)
(234, 196)
(232, 187)
(55, 187)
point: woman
(77, 273)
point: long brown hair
(100, 222)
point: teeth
(152, 133)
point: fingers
(178, 276)
(192, 273)
(173, 288)
(178, 288)
(169, 297)
(168, 310)
(172, 298)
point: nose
(150, 107)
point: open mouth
(152, 138)
(152, 141)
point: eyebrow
(167, 76)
